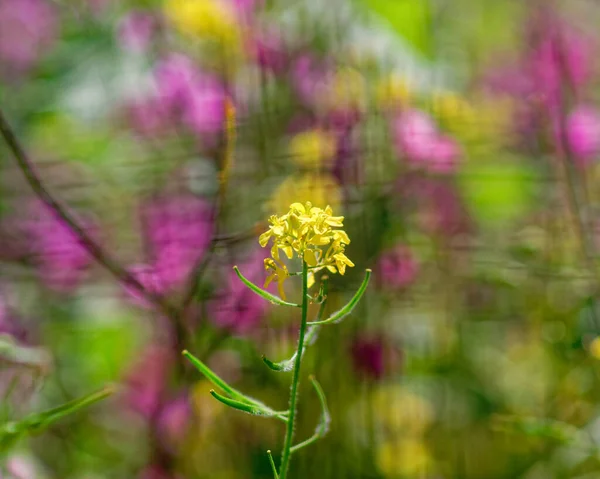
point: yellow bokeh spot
(392, 92)
(206, 19)
(595, 348)
(313, 149)
(348, 89)
(318, 188)
(406, 457)
(403, 412)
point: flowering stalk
(310, 234)
(289, 433)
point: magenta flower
(270, 53)
(173, 421)
(240, 310)
(179, 230)
(28, 28)
(147, 380)
(61, 259)
(368, 357)
(196, 98)
(149, 116)
(417, 138)
(583, 133)
(136, 30)
(562, 58)
(397, 267)
(309, 78)
(151, 282)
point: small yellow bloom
(318, 188)
(595, 348)
(278, 272)
(205, 19)
(348, 89)
(313, 149)
(304, 230)
(392, 92)
(407, 457)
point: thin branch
(26, 165)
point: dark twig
(121, 274)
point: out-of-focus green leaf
(411, 19)
(12, 431)
(498, 191)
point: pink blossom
(583, 133)
(179, 231)
(309, 79)
(147, 380)
(196, 98)
(270, 52)
(173, 421)
(136, 30)
(397, 267)
(62, 260)
(28, 28)
(149, 116)
(417, 137)
(241, 310)
(151, 282)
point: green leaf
(12, 431)
(410, 19)
(349, 307)
(264, 294)
(499, 191)
(323, 426)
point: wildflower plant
(316, 237)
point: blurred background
(459, 139)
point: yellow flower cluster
(208, 19)
(306, 230)
(313, 149)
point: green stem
(289, 434)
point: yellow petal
(310, 257)
(264, 238)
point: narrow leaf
(275, 475)
(323, 426)
(254, 409)
(346, 310)
(211, 376)
(311, 334)
(265, 294)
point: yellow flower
(304, 230)
(313, 149)
(318, 188)
(206, 19)
(348, 89)
(278, 272)
(595, 348)
(392, 91)
(406, 457)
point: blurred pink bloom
(583, 133)
(440, 208)
(149, 116)
(196, 98)
(156, 472)
(27, 29)
(147, 380)
(368, 357)
(241, 310)
(397, 268)
(309, 78)
(562, 58)
(61, 259)
(179, 230)
(151, 282)
(173, 421)
(270, 53)
(136, 30)
(418, 138)
(20, 467)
